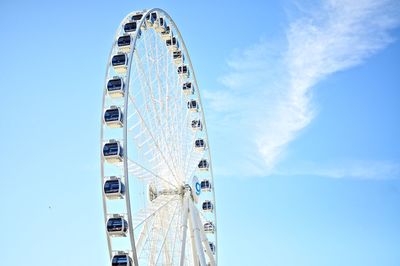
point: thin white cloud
(356, 169)
(275, 86)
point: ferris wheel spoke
(144, 235)
(154, 110)
(157, 205)
(145, 174)
(167, 231)
(176, 234)
(154, 140)
(163, 141)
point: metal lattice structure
(158, 189)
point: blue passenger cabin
(203, 165)
(172, 44)
(121, 260)
(200, 144)
(160, 25)
(207, 206)
(115, 87)
(130, 27)
(212, 247)
(113, 117)
(112, 152)
(178, 57)
(209, 227)
(197, 125)
(117, 226)
(183, 71)
(193, 106)
(188, 88)
(114, 188)
(120, 63)
(137, 17)
(151, 19)
(124, 43)
(205, 185)
(166, 34)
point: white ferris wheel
(158, 190)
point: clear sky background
(303, 109)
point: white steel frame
(169, 228)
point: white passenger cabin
(207, 206)
(124, 43)
(209, 228)
(178, 57)
(197, 125)
(151, 19)
(166, 34)
(183, 71)
(188, 88)
(121, 259)
(193, 106)
(205, 185)
(200, 145)
(172, 44)
(114, 188)
(120, 63)
(113, 117)
(115, 87)
(212, 247)
(112, 151)
(130, 27)
(160, 24)
(203, 165)
(117, 226)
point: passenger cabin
(187, 88)
(130, 27)
(124, 43)
(115, 87)
(137, 17)
(209, 228)
(121, 260)
(117, 226)
(183, 71)
(197, 125)
(151, 19)
(112, 151)
(160, 25)
(208, 206)
(120, 63)
(166, 34)
(200, 144)
(193, 106)
(113, 117)
(114, 188)
(212, 247)
(172, 44)
(178, 57)
(205, 185)
(203, 165)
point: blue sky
(302, 105)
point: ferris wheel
(157, 182)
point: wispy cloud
(356, 169)
(274, 85)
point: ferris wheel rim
(125, 128)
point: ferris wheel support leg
(204, 239)
(184, 227)
(196, 231)
(193, 244)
